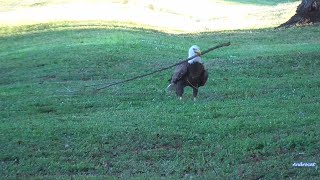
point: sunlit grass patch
(173, 16)
(262, 2)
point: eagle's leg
(195, 93)
(179, 89)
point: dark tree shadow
(308, 12)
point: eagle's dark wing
(197, 74)
(179, 72)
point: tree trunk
(308, 12)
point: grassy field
(257, 115)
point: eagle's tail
(171, 87)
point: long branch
(162, 69)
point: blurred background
(186, 16)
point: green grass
(257, 115)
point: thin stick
(162, 69)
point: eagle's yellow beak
(198, 52)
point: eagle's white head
(194, 50)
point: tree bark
(308, 12)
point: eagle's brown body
(193, 75)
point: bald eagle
(191, 73)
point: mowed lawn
(257, 115)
